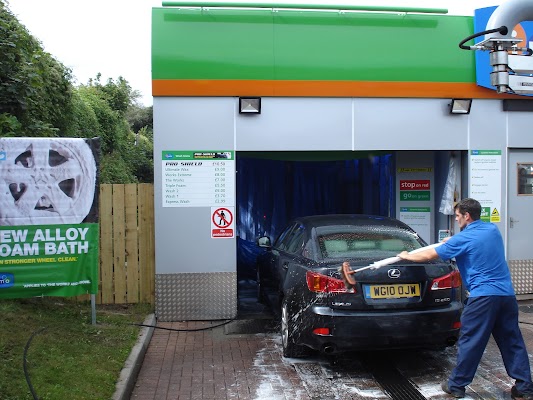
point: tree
(38, 99)
(127, 154)
(35, 89)
(140, 117)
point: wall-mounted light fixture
(460, 106)
(249, 105)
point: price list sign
(198, 178)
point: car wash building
(263, 113)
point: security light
(249, 105)
(460, 106)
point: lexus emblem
(394, 273)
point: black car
(401, 305)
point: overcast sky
(113, 36)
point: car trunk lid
(403, 285)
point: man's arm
(422, 256)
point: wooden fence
(127, 253)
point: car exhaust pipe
(329, 348)
(451, 341)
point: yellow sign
(429, 169)
(495, 216)
(393, 291)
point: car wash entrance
(275, 187)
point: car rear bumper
(350, 330)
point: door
(520, 219)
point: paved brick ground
(213, 365)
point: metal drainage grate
(526, 309)
(392, 382)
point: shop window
(525, 178)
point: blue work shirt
(478, 250)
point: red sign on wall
(222, 222)
(417, 184)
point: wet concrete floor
(243, 360)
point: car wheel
(290, 349)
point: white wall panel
(487, 125)
(520, 129)
(292, 124)
(189, 123)
(408, 124)
(183, 240)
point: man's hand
(404, 255)
(419, 256)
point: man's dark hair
(470, 206)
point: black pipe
(502, 30)
(24, 363)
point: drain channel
(392, 382)
(526, 309)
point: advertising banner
(49, 232)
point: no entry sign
(222, 222)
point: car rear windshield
(366, 243)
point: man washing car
(491, 307)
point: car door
(286, 250)
(268, 268)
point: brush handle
(392, 260)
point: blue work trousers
(483, 316)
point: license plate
(392, 291)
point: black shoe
(458, 394)
(515, 394)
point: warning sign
(495, 216)
(222, 223)
(415, 184)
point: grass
(70, 358)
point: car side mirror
(264, 242)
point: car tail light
(456, 325)
(324, 284)
(452, 280)
(321, 331)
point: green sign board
(485, 152)
(48, 260)
(485, 214)
(414, 195)
(171, 155)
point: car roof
(314, 221)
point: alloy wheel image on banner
(45, 181)
(48, 216)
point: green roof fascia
(258, 44)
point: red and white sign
(222, 223)
(417, 184)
